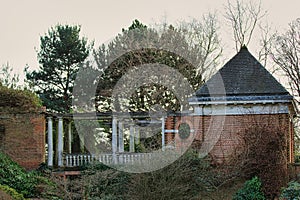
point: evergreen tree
(61, 51)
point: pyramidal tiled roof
(242, 77)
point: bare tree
(286, 54)
(203, 38)
(267, 39)
(243, 18)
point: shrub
(12, 192)
(18, 100)
(251, 190)
(292, 192)
(102, 182)
(183, 179)
(189, 177)
(12, 175)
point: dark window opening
(184, 130)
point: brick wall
(24, 138)
(223, 132)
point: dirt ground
(4, 196)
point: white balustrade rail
(75, 160)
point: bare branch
(243, 18)
(286, 55)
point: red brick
(234, 126)
(24, 139)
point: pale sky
(23, 22)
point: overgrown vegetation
(190, 177)
(252, 189)
(292, 192)
(11, 192)
(18, 100)
(187, 178)
(12, 175)
(106, 184)
(27, 184)
(265, 155)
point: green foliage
(183, 179)
(12, 175)
(61, 51)
(191, 49)
(252, 189)
(148, 95)
(136, 24)
(292, 192)
(180, 180)
(91, 168)
(7, 78)
(47, 188)
(12, 192)
(28, 184)
(20, 100)
(105, 183)
(189, 177)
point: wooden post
(60, 145)
(131, 139)
(70, 137)
(121, 140)
(50, 142)
(163, 133)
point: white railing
(74, 160)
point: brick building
(22, 129)
(240, 96)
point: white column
(137, 135)
(50, 142)
(114, 135)
(131, 139)
(70, 137)
(163, 133)
(82, 142)
(121, 140)
(60, 145)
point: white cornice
(241, 109)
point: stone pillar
(50, 142)
(70, 137)
(137, 135)
(60, 145)
(114, 142)
(131, 139)
(121, 140)
(163, 133)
